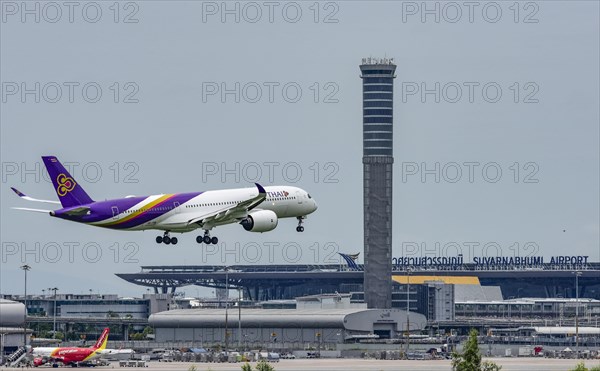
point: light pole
(226, 307)
(577, 274)
(25, 268)
(318, 344)
(407, 309)
(239, 318)
(54, 313)
(2, 348)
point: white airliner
(257, 209)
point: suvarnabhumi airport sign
(497, 261)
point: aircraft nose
(315, 206)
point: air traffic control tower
(378, 93)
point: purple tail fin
(68, 190)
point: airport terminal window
(377, 111)
(371, 80)
(378, 120)
(378, 88)
(378, 95)
(383, 127)
(386, 135)
(378, 152)
(377, 72)
(378, 103)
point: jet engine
(38, 361)
(260, 221)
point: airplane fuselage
(69, 355)
(256, 209)
(174, 212)
(66, 354)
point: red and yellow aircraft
(69, 355)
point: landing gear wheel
(199, 239)
(174, 240)
(214, 240)
(159, 239)
(207, 239)
(167, 240)
(300, 228)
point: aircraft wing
(232, 212)
(108, 351)
(25, 197)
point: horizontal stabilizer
(34, 210)
(25, 197)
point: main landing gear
(207, 239)
(166, 239)
(300, 228)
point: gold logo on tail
(65, 184)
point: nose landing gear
(300, 228)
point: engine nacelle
(260, 221)
(38, 361)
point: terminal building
(277, 282)
(75, 306)
(264, 326)
(325, 319)
(12, 317)
(545, 308)
(441, 295)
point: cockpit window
(308, 194)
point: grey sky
(175, 133)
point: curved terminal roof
(569, 331)
(359, 319)
(12, 313)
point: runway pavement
(349, 364)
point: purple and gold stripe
(151, 213)
(150, 207)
